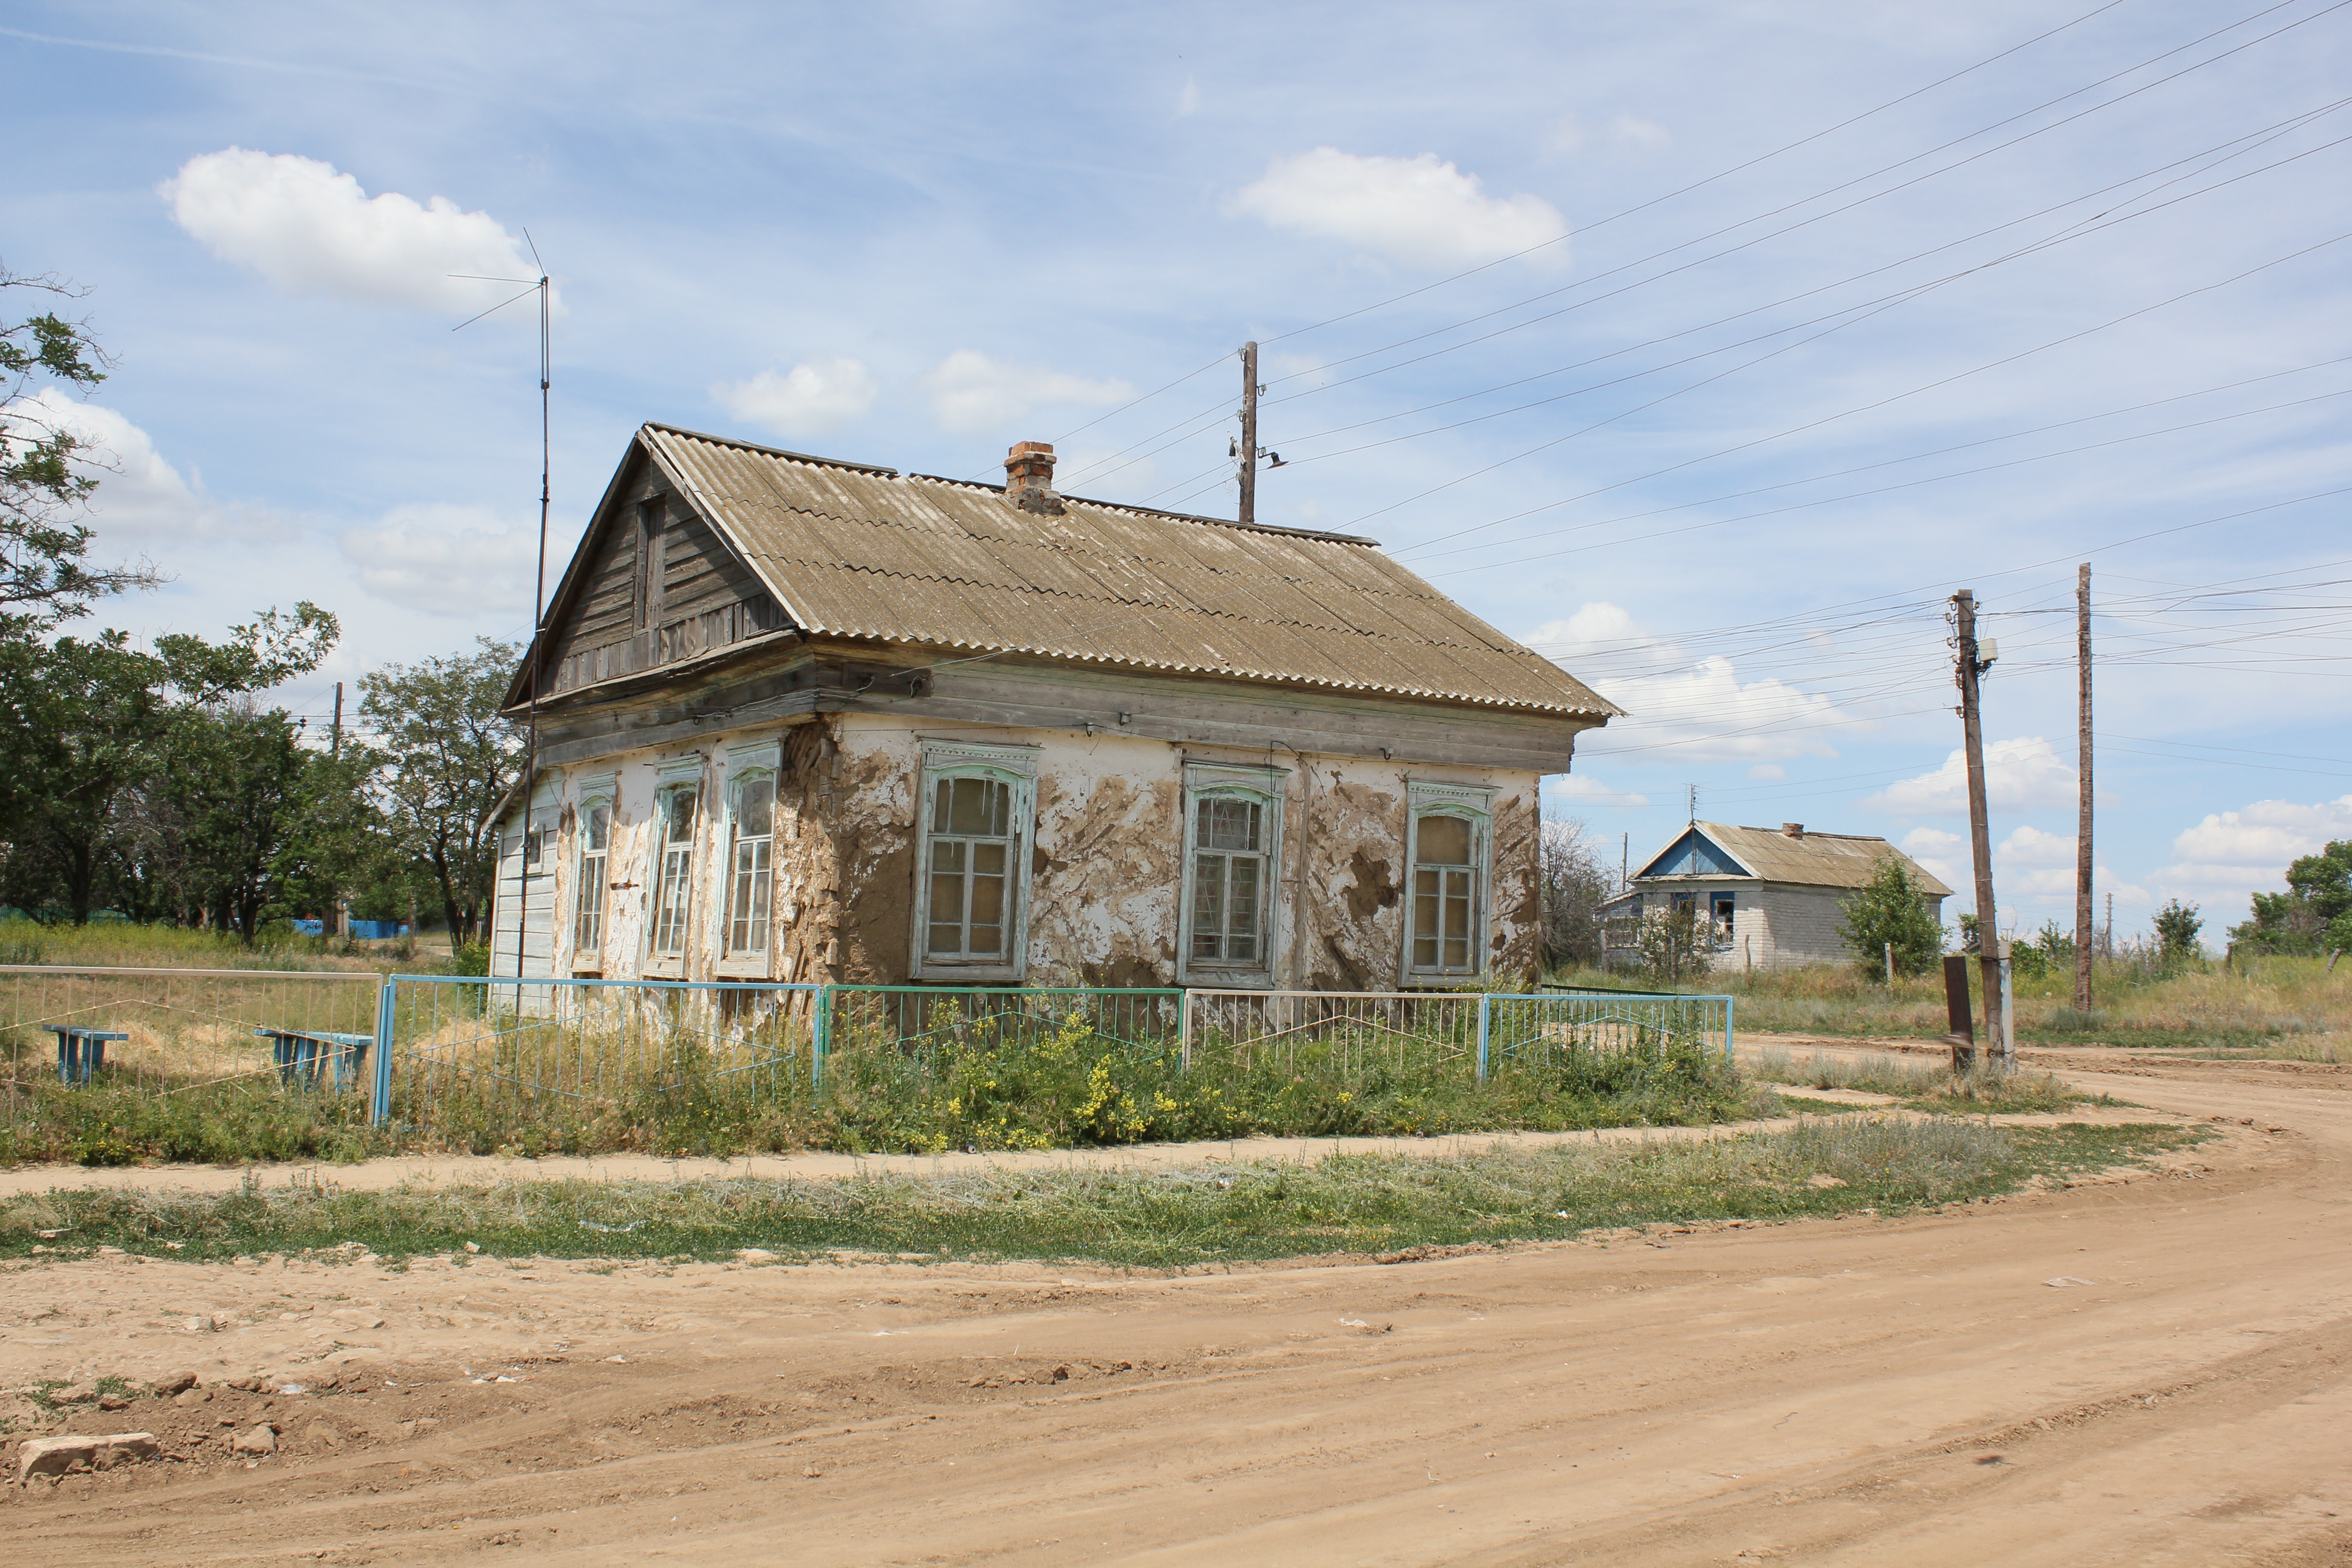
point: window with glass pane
(750, 884)
(1445, 896)
(1228, 880)
(972, 868)
(673, 844)
(588, 901)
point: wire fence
(453, 1060)
(1440, 1035)
(469, 1059)
(209, 1039)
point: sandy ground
(1854, 1392)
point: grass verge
(1205, 1214)
(1069, 1088)
(1925, 1086)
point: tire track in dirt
(1820, 1392)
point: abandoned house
(801, 720)
(1770, 900)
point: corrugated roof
(854, 550)
(1816, 861)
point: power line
(1215, 411)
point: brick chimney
(1029, 477)
(1794, 829)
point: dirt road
(1854, 1392)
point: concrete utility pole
(1249, 433)
(335, 736)
(1971, 664)
(2082, 928)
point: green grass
(1200, 1214)
(1799, 1105)
(1927, 1086)
(121, 944)
(1063, 1087)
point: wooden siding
(705, 598)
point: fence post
(1485, 1014)
(386, 1008)
(1728, 1003)
(1184, 1029)
(820, 1039)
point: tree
(442, 758)
(1575, 883)
(1675, 943)
(2315, 911)
(93, 759)
(1889, 907)
(46, 577)
(2177, 925)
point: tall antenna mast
(541, 287)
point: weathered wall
(1104, 861)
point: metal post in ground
(820, 1039)
(386, 1005)
(1963, 1037)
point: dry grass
(2273, 1006)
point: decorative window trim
(1015, 766)
(1475, 804)
(600, 791)
(746, 765)
(678, 774)
(1267, 786)
(764, 753)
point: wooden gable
(653, 582)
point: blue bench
(299, 1053)
(81, 1051)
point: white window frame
(746, 765)
(593, 792)
(1015, 766)
(685, 772)
(1265, 787)
(1475, 806)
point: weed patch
(1204, 1213)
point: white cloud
(1585, 788)
(2223, 860)
(1679, 709)
(446, 559)
(1188, 100)
(1945, 856)
(810, 399)
(1768, 773)
(141, 499)
(971, 391)
(1629, 134)
(1422, 211)
(1563, 138)
(2020, 774)
(310, 230)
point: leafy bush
(1890, 907)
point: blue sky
(1615, 321)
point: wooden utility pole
(2082, 928)
(1971, 666)
(1249, 433)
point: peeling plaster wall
(1106, 873)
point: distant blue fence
(363, 930)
